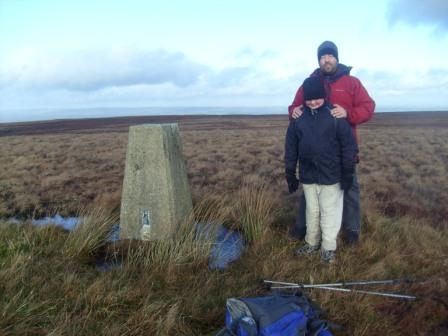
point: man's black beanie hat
(327, 48)
(313, 88)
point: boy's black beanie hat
(313, 88)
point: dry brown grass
(189, 245)
(254, 211)
(402, 173)
(60, 172)
(91, 233)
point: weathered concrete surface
(156, 195)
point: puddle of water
(114, 233)
(14, 220)
(68, 223)
(228, 246)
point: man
(350, 100)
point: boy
(326, 151)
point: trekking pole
(350, 283)
(399, 296)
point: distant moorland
(58, 165)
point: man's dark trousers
(351, 215)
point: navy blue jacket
(323, 145)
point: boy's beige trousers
(324, 205)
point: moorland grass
(44, 290)
(90, 234)
(49, 283)
(402, 170)
(254, 210)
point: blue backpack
(275, 315)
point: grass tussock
(190, 244)
(90, 234)
(254, 210)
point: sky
(110, 55)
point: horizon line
(43, 119)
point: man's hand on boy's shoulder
(297, 112)
(338, 111)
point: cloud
(253, 56)
(100, 71)
(407, 90)
(32, 79)
(232, 76)
(428, 12)
(95, 70)
(431, 80)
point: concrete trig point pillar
(156, 195)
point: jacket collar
(324, 107)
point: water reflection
(228, 245)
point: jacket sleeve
(298, 100)
(349, 148)
(291, 149)
(362, 107)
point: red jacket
(346, 91)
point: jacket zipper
(314, 113)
